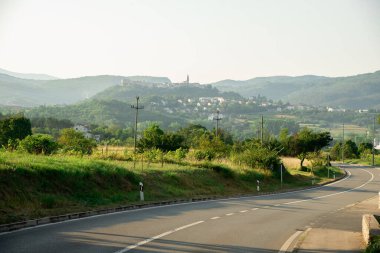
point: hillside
(16, 91)
(352, 92)
(28, 76)
(132, 89)
(101, 112)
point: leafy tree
(350, 150)
(73, 141)
(172, 142)
(213, 145)
(155, 138)
(307, 141)
(14, 128)
(39, 144)
(152, 138)
(180, 154)
(192, 134)
(255, 155)
(365, 147)
(336, 151)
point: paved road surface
(253, 224)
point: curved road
(250, 224)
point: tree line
(205, 144)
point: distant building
(86, 132)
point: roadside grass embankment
(35, 186)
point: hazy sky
(208, 39)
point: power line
(343, 144)
(137, 108)
(262, 129)
(217, 119)
(373, 148)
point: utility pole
(343, 145)
(373, 148)
(137, 108)
(262, 129)
(217, 119)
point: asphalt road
(251, 224)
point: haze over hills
(27, 92)
(28, 76)
(352, 92)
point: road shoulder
(339, 231)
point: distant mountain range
(352, 92)
(29, 92)
(28, 76)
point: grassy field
(33, 186)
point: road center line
(229, 214)
(254, 209)
(157, 237)
(215, 218)
(243, 211)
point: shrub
(38, 144)
(259, 157)
(180, 154)
(204, 155)
(75, 142)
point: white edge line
(333, 194)
(178, 204)
(157, 237)
(288, 242)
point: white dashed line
(157, 237)
(215, 218)
(243, 211)
(254, 209)
(229, 214)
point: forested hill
(352, 92)
(100, 112)
(132, 89)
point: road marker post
(258, 185)
(379, 200)
(141, 191)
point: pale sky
(210, 40)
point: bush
(75, 142)
(374, 245)
(180, 154)
(38, 144)
(204, 155)
(259, 157)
